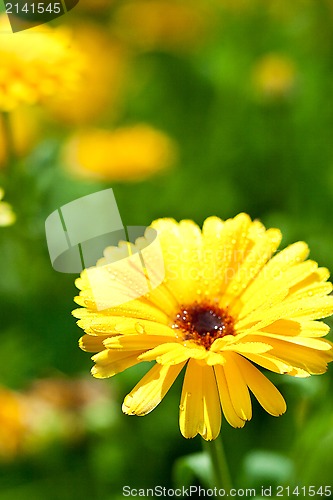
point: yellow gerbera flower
(224, 305)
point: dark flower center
(204, 323)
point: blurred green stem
(9, 140)
(219, 462)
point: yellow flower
(7, 216)
(34, 64)
(225, 304)
(274, 76)
(127, 153)
(102, 69)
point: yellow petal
(254, 347)
(90, 343)
(136, 342)
(272, 273)
(320, 275)
(151, 389)
(173, 353)
(109, 363)
(265, 392)
(200, 411)
(253, 262)
(227, 407)
(181, 246)
(211, 405)
(317, 344)
(98, 324)
(248, 345)
(139, 308)
(270, 362)
(214, 358)
(293, 328)
(307, 359)
(305, 309)
(237, 387)
(191, 415)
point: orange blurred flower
(125, 154)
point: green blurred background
(244, 89)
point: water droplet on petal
(181, 407)
(140, 328)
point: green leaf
(192, 468)
(261, 467)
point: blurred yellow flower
(274, 76)
(34, 64)
(224, 304)
(102, 71)
(162, 24)
(12, 427)
(7, 216)
(124, 154)
(24, 126)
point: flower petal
(173, 353)
(227, 407)
(191, 415)
(109, 363)
(92, 343)
(200, 410)
(151, 389)
(265, 392)
(253, 262)
(136, 342)
(211, 405)
(237, 387)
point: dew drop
(310, 294)
(181, 407)
(140, 328)
(189, 394)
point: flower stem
(219, 462)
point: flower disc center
(204, 323)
